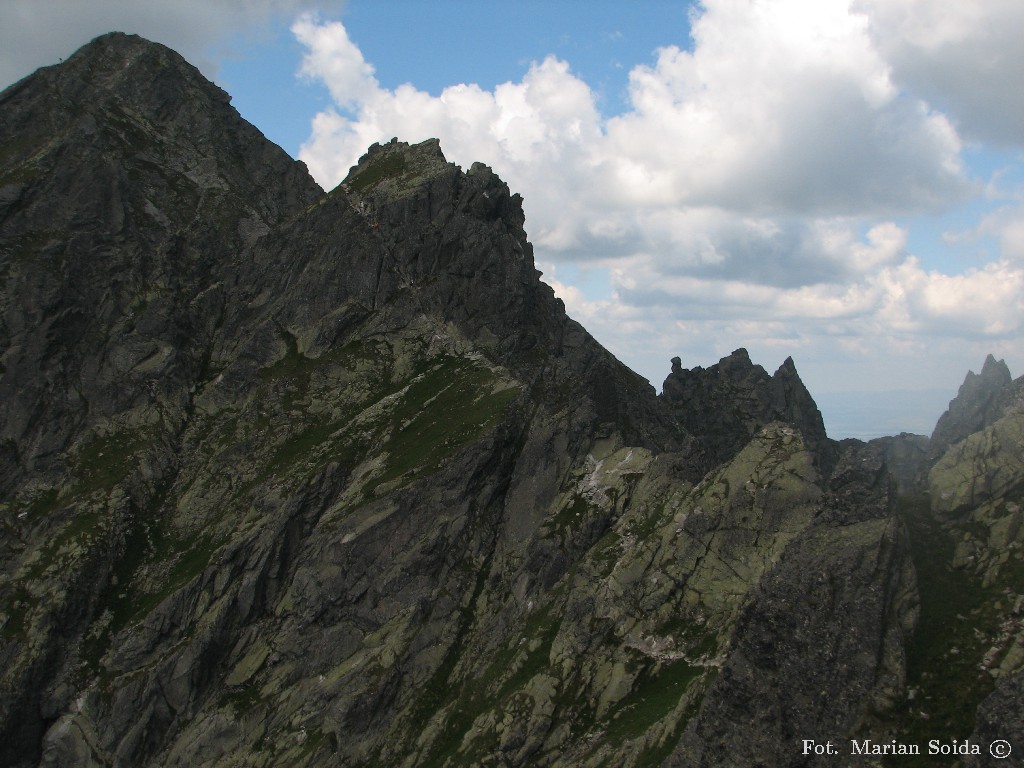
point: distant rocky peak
(726, 404)
(794, 400)
(738, 366)
(788, 368)
(994, 371)
(981, 400)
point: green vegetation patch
(655, 754)
(293, 365)
(475, 696)
(570, 513)
(292, 376)
(696, 638)
(44, 502)
(358, 368)
(447, 404)
(191, 557)
(606, 552)
(647, 522)
(389, 165)
(541, 627)
(444, 409)
(26, 247)
(82, 527)
(302, 445)
(19, 158)
(242, 700)
(16, 605)
(315, 742)
(109, 459)
(657, 692)
(130, 597)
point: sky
(839, 181)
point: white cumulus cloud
(965, 56)
(782, 106)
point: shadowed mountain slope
(294, 478)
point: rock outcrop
(726, 404)
(985, 465)
(981, 400)
(821, 648)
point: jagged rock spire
(727, 403)
(979, 402)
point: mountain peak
(979, 402)
(726, 404)
(995, 371)
(145, 133)
(124, 64)
(397, 169)
(122, 46)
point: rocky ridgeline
(307, 479)
(982, 400)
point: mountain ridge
(304, 478)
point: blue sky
(836, 180)
(481, 42)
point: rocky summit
(295, 478)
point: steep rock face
(455, 241)
(727, 403)
(845, 593)
(977, 490)
(986, 465)
(981, 400)
(124, 172)
(313, 479)
(243, 363)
